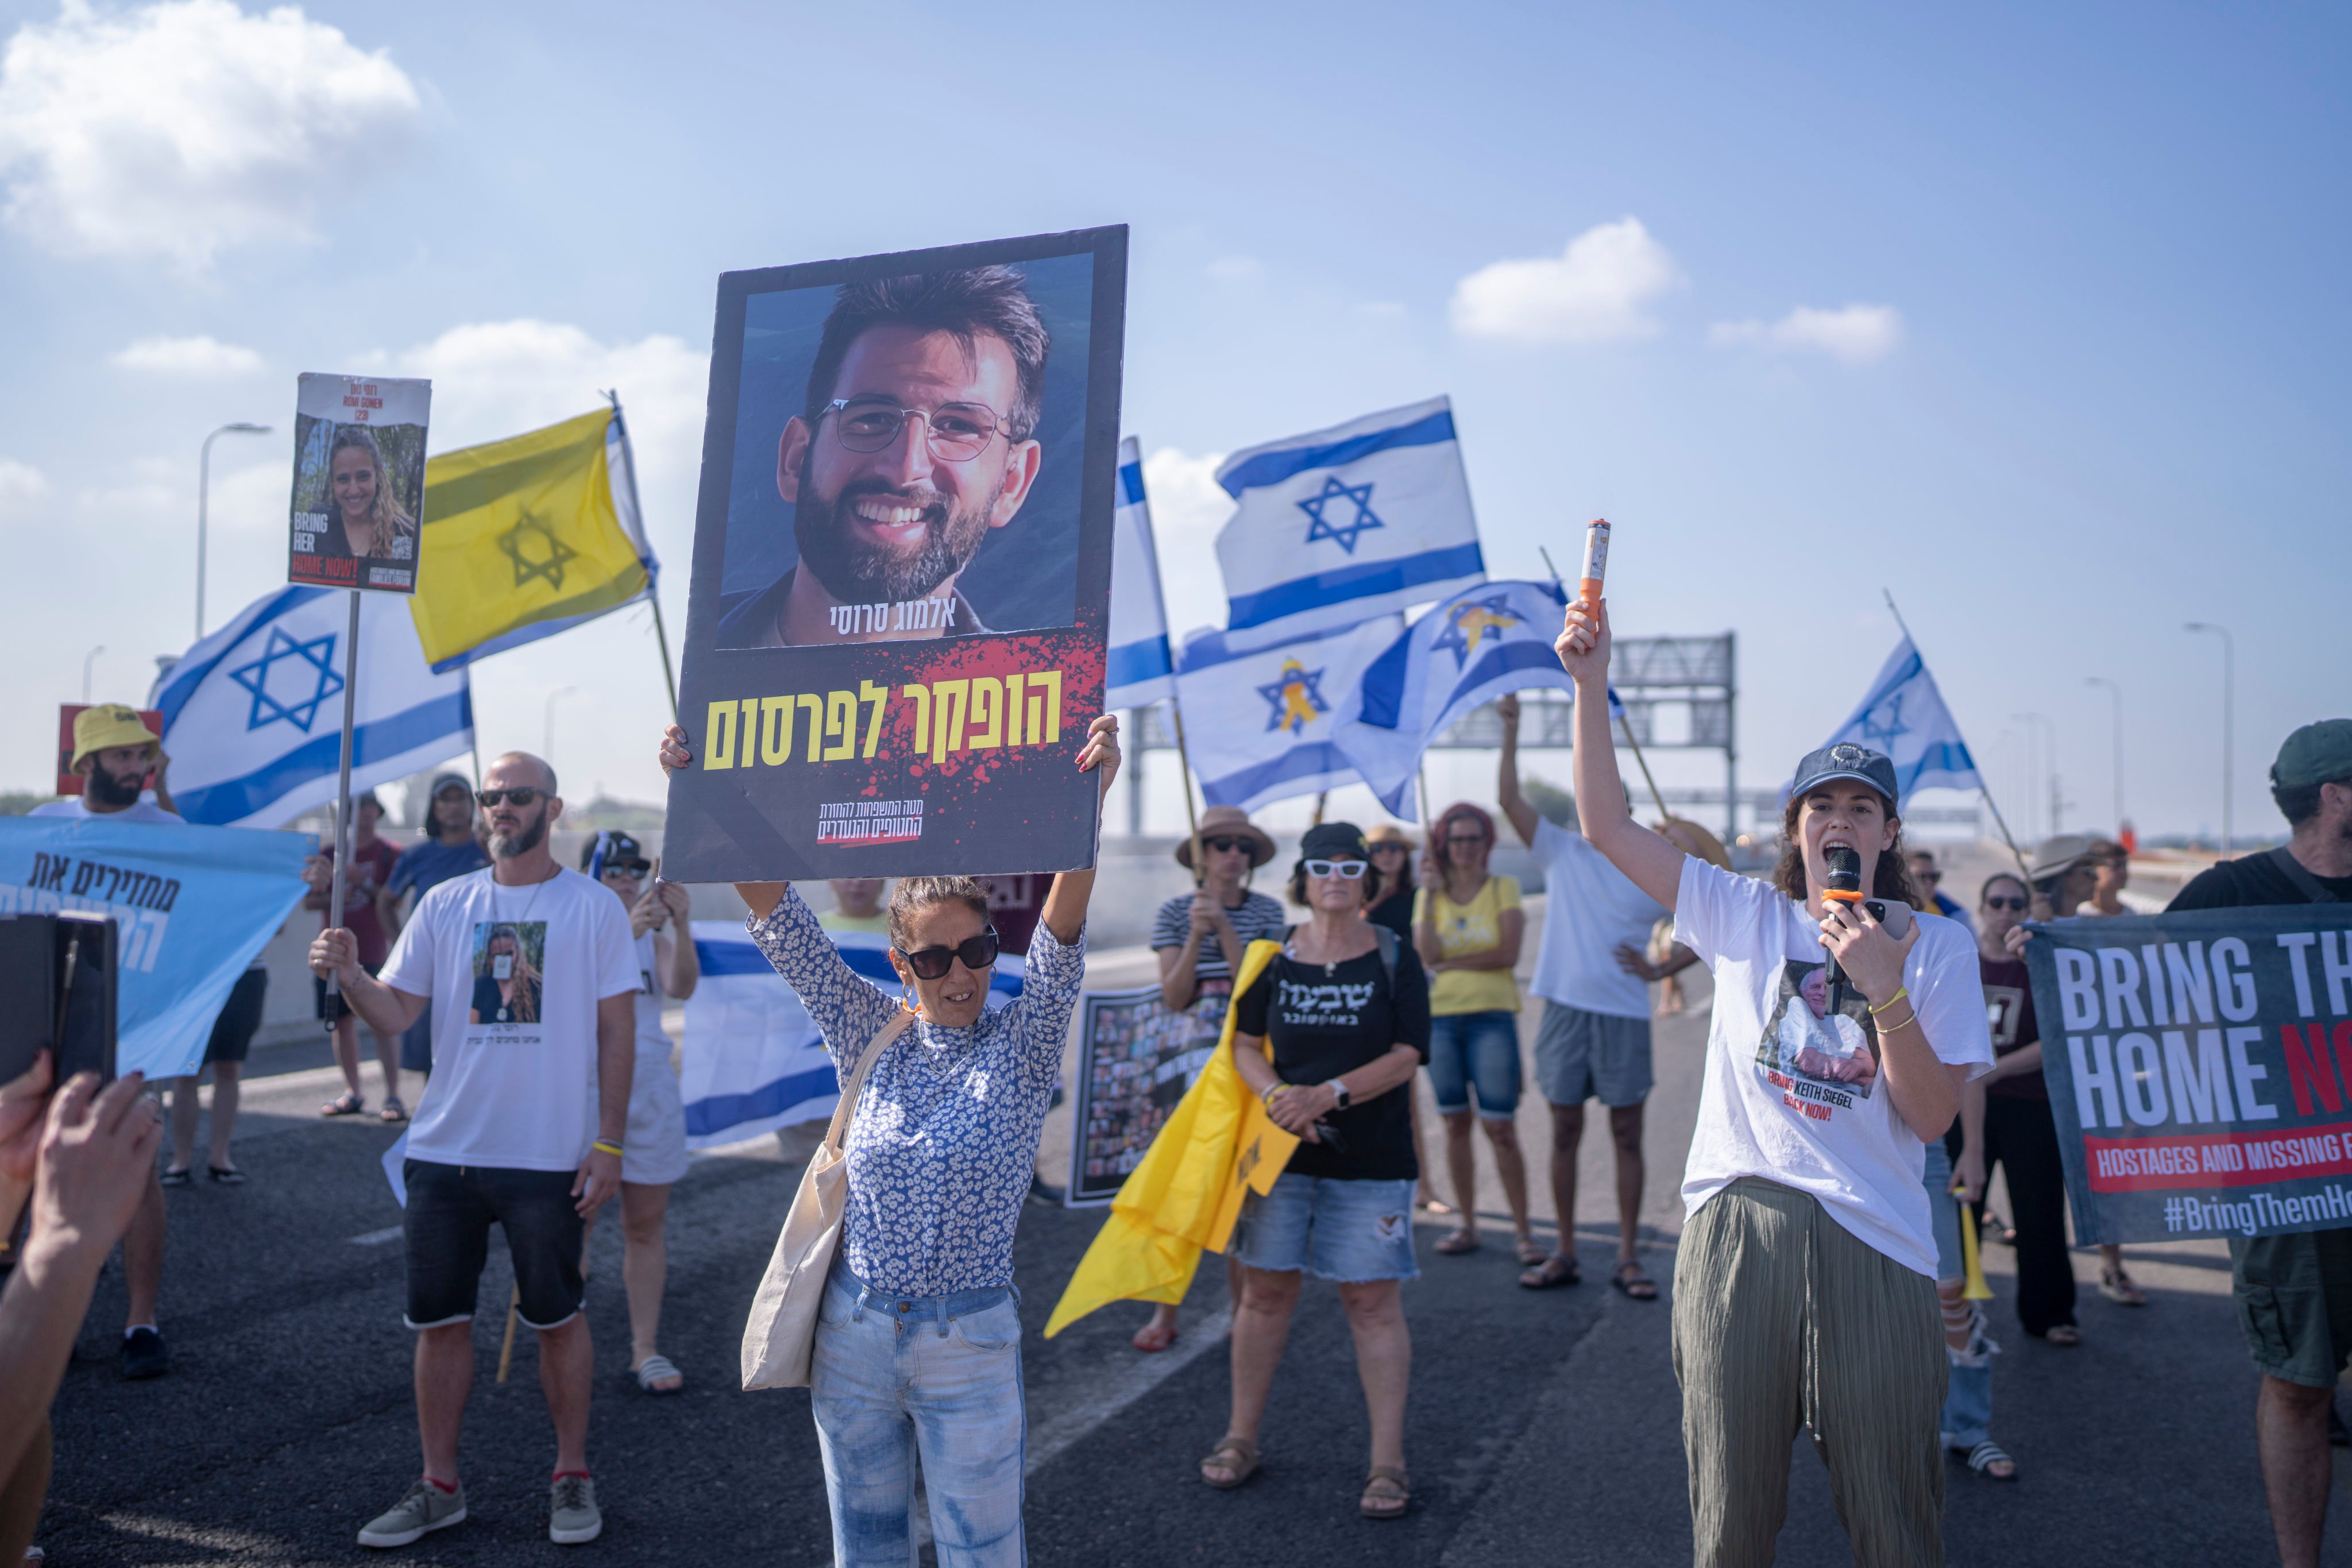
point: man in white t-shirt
(1594, 1042)
(532, 977)
(114, 752)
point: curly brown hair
(1891, 878)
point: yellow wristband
(1890, 1001)
(604, 1148)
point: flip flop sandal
(1629, 1279)
(1985, 1456)
(1551, 1274)
(177, 1179)
(343, 1105)
(1237, 1455)
(1387, 1493)
(2065, 1336)
(1459, 1242)
(1530, 1254)
(2120, 1288)
(393, 1111)
(653, 1369)
(1151, 1344)
(227, 1175)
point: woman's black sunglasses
(2008, 903)
(932, 963)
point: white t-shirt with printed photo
(1589, 908)
(513, 975)
(1795, 1097)
(146, 809)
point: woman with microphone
(1805, 1286)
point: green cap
(2316, 754)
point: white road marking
(1123, 1388)
(376, 1238)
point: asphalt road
(1544, 1427)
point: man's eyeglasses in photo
(957, 431)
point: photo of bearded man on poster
(913, 443)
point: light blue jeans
(896, 1376)
(1967, 1402)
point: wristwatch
(1339, 1098)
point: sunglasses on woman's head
(522, 794)
(2011, 902)
(932, 962)
(1350, 869)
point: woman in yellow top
(1467, 926)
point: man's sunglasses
(1350, 869)
(932, 962)
(1224, 846)
(2008, 903)
(522, 794)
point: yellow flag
(1187, 1193)
(522, 540)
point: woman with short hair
(1804, 1287)
(918, 1347)
(1341, 1077)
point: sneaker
(144, 1354)
(573, 1516)
(426, 1508)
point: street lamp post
(2048, 751)
(547, 729)
(85, 659)
(204, 500)
(2229, 715)
(2117, 693)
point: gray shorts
(1580, 1056)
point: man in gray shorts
(1595, 1037)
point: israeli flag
(1904, 716)
(753, 1059)
(1140, 670)
(1469, 650)
(1345, 524)
(1262, 721)
(253, 715)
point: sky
(2030, 316)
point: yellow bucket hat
(106, 725)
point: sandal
(1237, 1456)
(1550, 1274)
(1631, 1280)
(1151, 1340)
(2118, 1287)
(654, 1368)
(344, 1104)
(2065, 1336)
(1455, 1244)
(178, 1178)
(393, 1110)
(1387, 1493)
(1985, 1456)
(1530, 1254)
(227, 1175)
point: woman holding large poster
(1804, 1290)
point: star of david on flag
(1343, 533)
(1260, 720)
(1469, 623)
(1294, 697)
(309, 664)
(1904, 715)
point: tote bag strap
(846, 1109)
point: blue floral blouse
(945, 1135)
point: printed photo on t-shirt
(1821, 1061)
(2004, 1006)
(508, 981)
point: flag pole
(343, 792)
(1982, 788)
(652, 589)
(1175, 693)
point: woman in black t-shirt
(1345, 1009)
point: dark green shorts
(2294, 1303)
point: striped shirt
(1259, 919)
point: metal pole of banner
(1184, 777)
(1982, 788)
(1321, 796)
(1625, 727)
(343, 789)
(653, 594)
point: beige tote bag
(781, 1332)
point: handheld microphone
(1846, 888)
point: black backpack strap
(2305, 883)
(1387, 941)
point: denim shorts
(1353, 1232)
(1944, 1213)
(1480, 1049)
(450, 1211)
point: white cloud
(19, 482)
(1856, 334)
(196, 357)
(1594, 291)
(182, 129)
(1187, 508)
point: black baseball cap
(1334, 841)
(1846, 760)
(621, 852)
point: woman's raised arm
(1648, 860)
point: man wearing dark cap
(450, 850)
(2295, 1292)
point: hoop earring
(907, 1006)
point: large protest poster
(2199, 1068)
(191, 907)
(359, 481)
(1136, 1060)
(896, 629)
